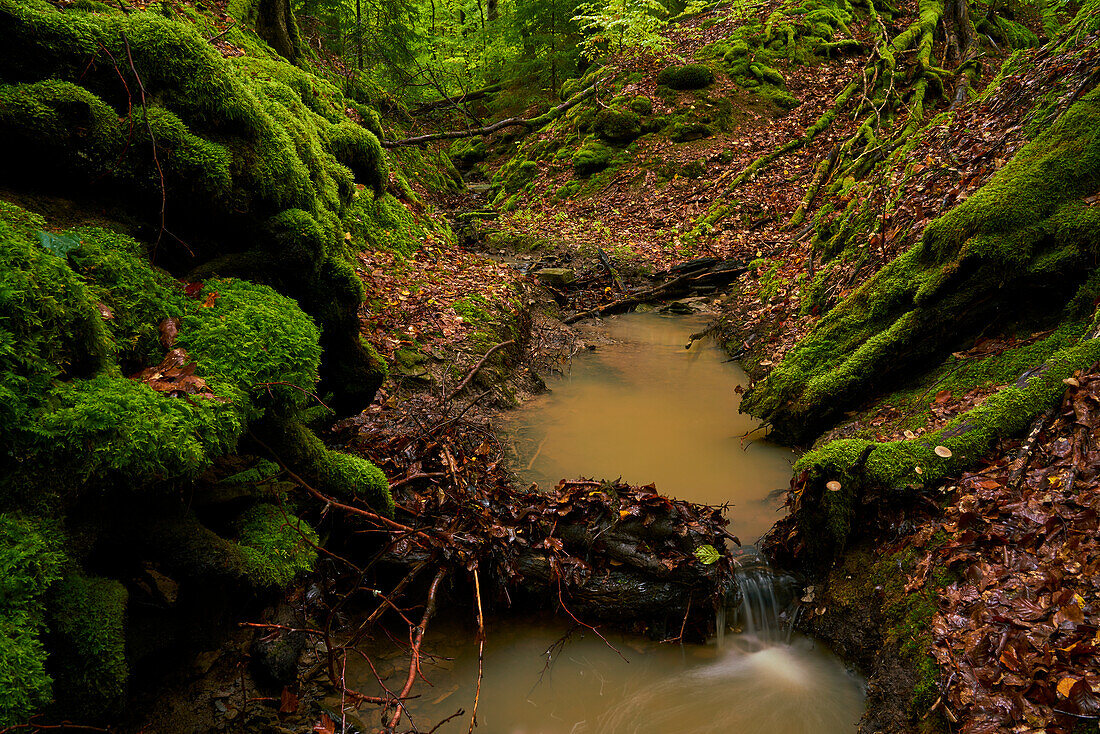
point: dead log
(437, 104)
(532, 123)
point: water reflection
(646, 408)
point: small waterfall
(761, 610)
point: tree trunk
(274, 21)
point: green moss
(470, 151)
(641, 105)
(139, 297)
(88, 645)
(30, 561)
(896, 465)
(277, 547)
(240, 141)
(683, 132)
(337, 474)
(1024, 237)
(593, 156)
(767, 74)
(688, 76)
(58, 124)
(252, 337)
(617, 125)
(516, 174)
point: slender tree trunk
(492, 10)
(359, 34)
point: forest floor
(999, 536)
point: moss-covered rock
(641, 105)
(88, 645)
(470, 151)
(687, 76)
(617, 125)
(686, 131)
(592, 157)
(30, 561)
(241, 142)
(277, 547)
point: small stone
(556, 276)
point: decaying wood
(695, 274)
(531, 123)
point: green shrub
(688, 76)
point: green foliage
(687, 76)
(30, 561)
(277, 547)
(88, 645)
(623, 26)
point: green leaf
(707, 554)
(57, 244)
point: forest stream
(642, 405)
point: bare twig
(416, 636)
(480, 650)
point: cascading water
(647, 407)
(760, 612)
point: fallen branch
(477, 367)
(416, 636)
(425, 107)
(532, 123)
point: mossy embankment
(920, 357)
(138, 371)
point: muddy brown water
(644, 407)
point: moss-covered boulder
(686, 131)
(30, 561)
(470, 151)
(244, 146)
(88, 646)
(617, 125)
(687, 76)
(641, 105)
(592, 157)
